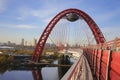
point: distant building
(26, 43)
(9, 43)
(50, 53)
(53, 45)
(29, 44)
(34, 42)
(22, 42)
(47, 45)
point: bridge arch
(92, 25)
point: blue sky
(28, 18)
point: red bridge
(100, 57)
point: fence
(104, 63)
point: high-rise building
(34, 42)
(26, 43)
(22, 42)
(9, 43)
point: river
(44, 73)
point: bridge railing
(113, 45)
(74, 71)
(80, 70)
(104, 63)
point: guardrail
(104, 63)
(115, 42)
(79, 71)
(74, 71)
(110, 45)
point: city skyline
(22, 42)
(28, 18)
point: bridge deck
(79, 71)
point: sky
(28, 18)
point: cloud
(39, 13)
(48, 10)
(2, 5)
(20, 26)
(24, 26)
(47, 20)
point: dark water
(17, 75)
(44, 73)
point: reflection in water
(63, 60)
(45, 73)
(16, 75)
(37, 74)
(50, 73)
(34, 73)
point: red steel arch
(93, 26)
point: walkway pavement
(84, 73)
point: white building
(34, 42)
(50, 53)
